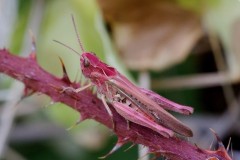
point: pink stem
(35, 78)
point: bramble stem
(35, 78)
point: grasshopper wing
(166, 103)
(149, 107)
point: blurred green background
(39, 130)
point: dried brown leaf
(152, 34)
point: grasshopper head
(94, 68)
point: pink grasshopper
(135, 104)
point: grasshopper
(135, 104)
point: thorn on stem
(220, 144)
(120, 143)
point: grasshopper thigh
(141, 119)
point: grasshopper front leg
(78, 89)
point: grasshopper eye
(86, 62)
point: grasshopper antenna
(67, 47)
(76, 31)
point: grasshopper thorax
(94, 69)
